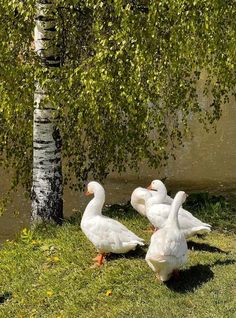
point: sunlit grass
(47, 273)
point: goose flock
(167, 251)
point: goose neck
(174, 209)
(94, 207)
(156, 198)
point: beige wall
(206, 162)
(208, 157)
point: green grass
(47, 273)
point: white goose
(168, 248)
(138, 194)
(106, 234)
(158, 213)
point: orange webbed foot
(151, 229)
(99, 259)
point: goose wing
(110, 235)
(165, 243)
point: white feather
(168, 248)
(106, 234)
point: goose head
(181, 196)
(157, 185)
(95, 188)
(94, 207)
(148, 199)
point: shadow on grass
(191, 279)
(204, 247)
(224, 262)
(194, 277)
(4, 297)
(140, 252)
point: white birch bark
(47, 190)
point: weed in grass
(5, 297)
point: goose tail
(199, 230)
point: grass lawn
(47, 273)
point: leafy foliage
(129, 82)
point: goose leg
(99, 259)
(151, 229)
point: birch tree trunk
(47, 189)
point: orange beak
(149, 187)
(87, 193)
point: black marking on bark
(50, 63)
(45, 108)
(44, 2)
(42, 142)
(57, 137)
(42, 18)
(40, 148)
(40, 93)
(53, 58)
(56, 161)
(43, 121)
(44, 39)
(52, 208)
(43, 178)
(54, 151)
(52, 29)
(33, 195)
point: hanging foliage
(128, 84)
